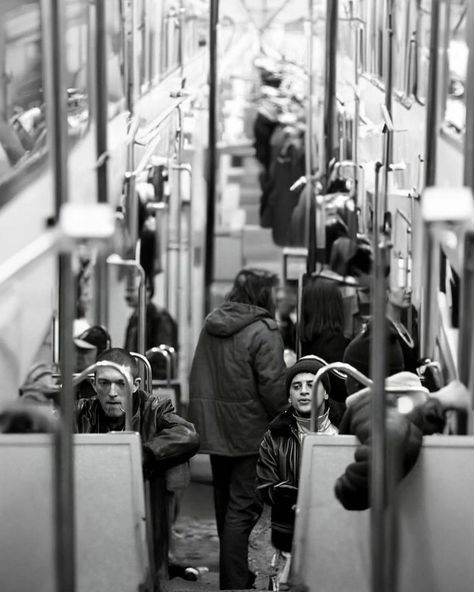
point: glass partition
(78, 59)
(454, 121)
(22, 112)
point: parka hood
(231, 317)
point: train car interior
(149, 151)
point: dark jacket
(278, 469)
(404, 440)
(167, 438)
(237, 382)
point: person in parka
(278, 463)
(237, 386)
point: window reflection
(457, 56)
(422, 63)
(77, 66)
(115, 52)
(22, 114)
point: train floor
(196, 543)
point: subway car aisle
(196, 543)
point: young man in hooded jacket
(237, 386)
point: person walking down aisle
(237, 386)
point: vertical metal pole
(58, 148)
(309, 119)
(469, 132)
(299, 315)
(332, 10)
(432, 101)
(388, 139)
(378, 409)
(212, 155)
(101, 272)
(430, 250)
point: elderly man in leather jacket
(167, 438)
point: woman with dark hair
(323, 327)
(237, 386)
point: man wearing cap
(279, 455)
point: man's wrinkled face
(112, 390)
(300, 394)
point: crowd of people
(250, 403)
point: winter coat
(237, 381)
(404, 440)
(167, 438)
(278, 468)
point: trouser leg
(243, 512)
(221, 468)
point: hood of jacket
(231, 317)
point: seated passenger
(40, 386)
(160, 329)
(167, 438)
(322, 331)
(404, 431)
(26, 417)
(88, 346)
(279, 456)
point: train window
(170, 37)
(422, 60)
(153, 9)
(403, 24)
(115, 58)
(78, 42)
(456, 68)
(22, 112)
(379, 37)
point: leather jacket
(278, 472)
(167, 438)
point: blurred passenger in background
(278, 463)
(237, 386)
(88, 346)
(160, 328)
(285, 316)
(322, 332)
(398, 308)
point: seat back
(331, 549)
(111, 547)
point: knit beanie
(309, 364)
(357, 353)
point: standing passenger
(237, 386)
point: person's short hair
(122, 357)
(254, 286)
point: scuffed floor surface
(196, 544)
